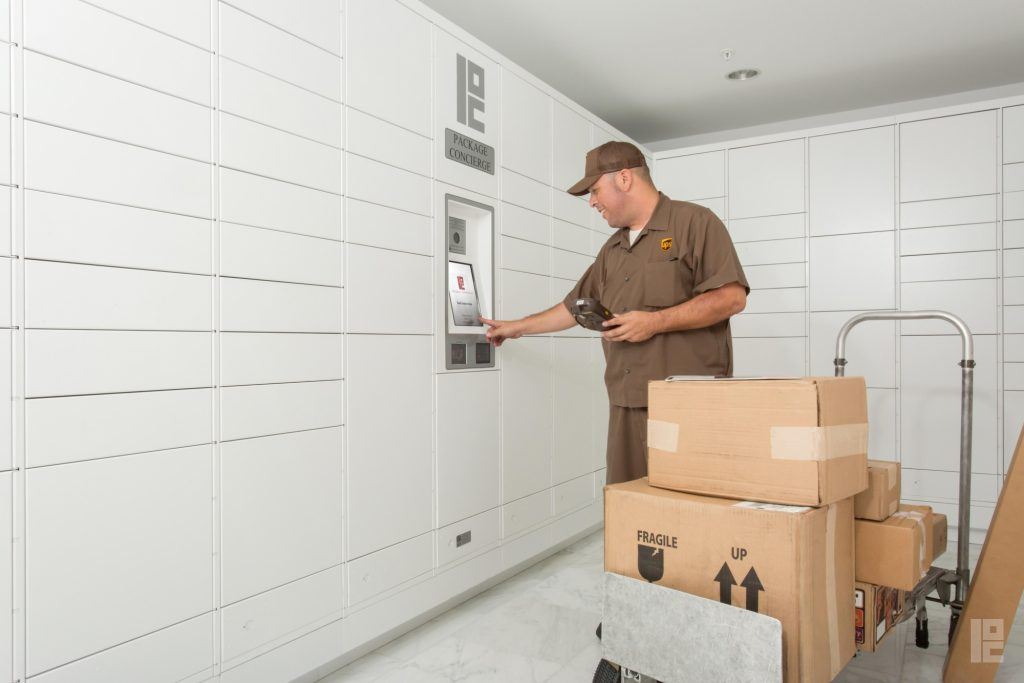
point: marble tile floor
(539, 626)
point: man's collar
(657, 221)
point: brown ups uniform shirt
(683, 251)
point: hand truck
(951, 587)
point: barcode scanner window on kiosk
(590, 313)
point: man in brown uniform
(670, 276)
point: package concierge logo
(470, 108)
(470, 85)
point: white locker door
(574, 434)
(694, 176)
(852, 181)
(840, 282)
(525, 128)
(526, 386)
(952, 156)
(388, 63)
(377, 139)
(766, 180)
(117, 548)
(390, 430)
(289, 487)
(402, 280)
(468, 468)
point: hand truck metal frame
(951, 587)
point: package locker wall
(231, 461)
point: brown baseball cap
(611, 156)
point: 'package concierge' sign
(470, 91)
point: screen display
(462, 293)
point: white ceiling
(654, 69)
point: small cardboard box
(894, 552)
(799, 441)
(882, 496)
(927, 517)
(940, 535)
(792, 563)
(878, 609)
(983, 630)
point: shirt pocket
(663, 283)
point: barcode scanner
(590, 313)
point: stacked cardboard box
(793, 563)
(800, 441)
(878, 609)
(794, 454)
(897, 551)
(794, 451)
(882, 496)
(895, 546)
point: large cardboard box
(878, 609)
(800, 441)
(895, 552)
(792, 563)
(983, 629)
(882, 496)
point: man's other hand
(632, 326)
(502, 330)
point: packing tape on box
(819, 443)
(663, 436)
(918, 518)
(830, 590)
(890, 473)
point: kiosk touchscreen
(462, 295)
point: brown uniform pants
(627, 444)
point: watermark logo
(987, 641)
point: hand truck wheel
(921, 633)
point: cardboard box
(894, 552)
(792, 563)
(940, 536)
(984, 627)
(800, 441)
(882, 496)
(878, 609)
(927, 517)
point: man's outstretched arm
(554, 319)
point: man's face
(610, 199)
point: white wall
(231, 451)
(921, 210)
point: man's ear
(624, 178)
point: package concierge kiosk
(469, 282)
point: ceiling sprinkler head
(727, 54)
